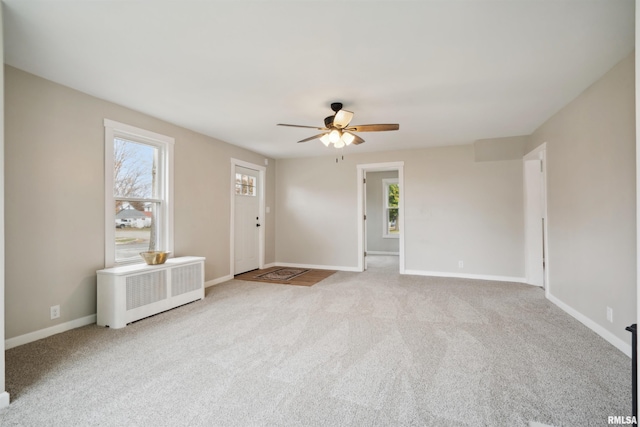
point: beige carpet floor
(357, 349)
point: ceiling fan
(337, 130)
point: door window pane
(245, 185)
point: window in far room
(138, 183)
(390, 201)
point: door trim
(261, 203)
(379, 167)
(540, 153)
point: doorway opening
(247, 234)
(383, 264)
(381, 220)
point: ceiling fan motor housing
(328, 121)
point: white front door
(246, 220)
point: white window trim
(385, 208)
(113, 129)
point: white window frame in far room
(165, 144)
(385, 208)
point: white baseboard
(604, 333)
(47, 332)
(4, 399)
(271, 264)
(218, 281)
(67, 326)
(318, 267)
(383, 253)
(466, 276)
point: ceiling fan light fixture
(334, 136)
(342, 118)
(347, 138)
(339, 131)
(325, 139)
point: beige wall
(462, 210)
(4, 396)
(637, 105)
(455, 209)
(55, 198)
(591, 200)
(316, 205)
(493, 149)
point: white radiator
(133, 292)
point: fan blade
(373, 128)
(351, 138)
(357, 140)
(342, 119)
(301, 126)
(312, 137)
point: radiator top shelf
(142, 266)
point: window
(390, 200)
(245, 185)
(138, 192)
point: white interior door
(364, 208)
(246, 220)
(534, 221)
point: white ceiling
(450, 72)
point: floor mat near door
(286, 276)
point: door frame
(261, 203)
(379, 167)
(539, 153)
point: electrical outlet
(460, 264)
(55, 311)
(610, 314)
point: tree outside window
(391, 207)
